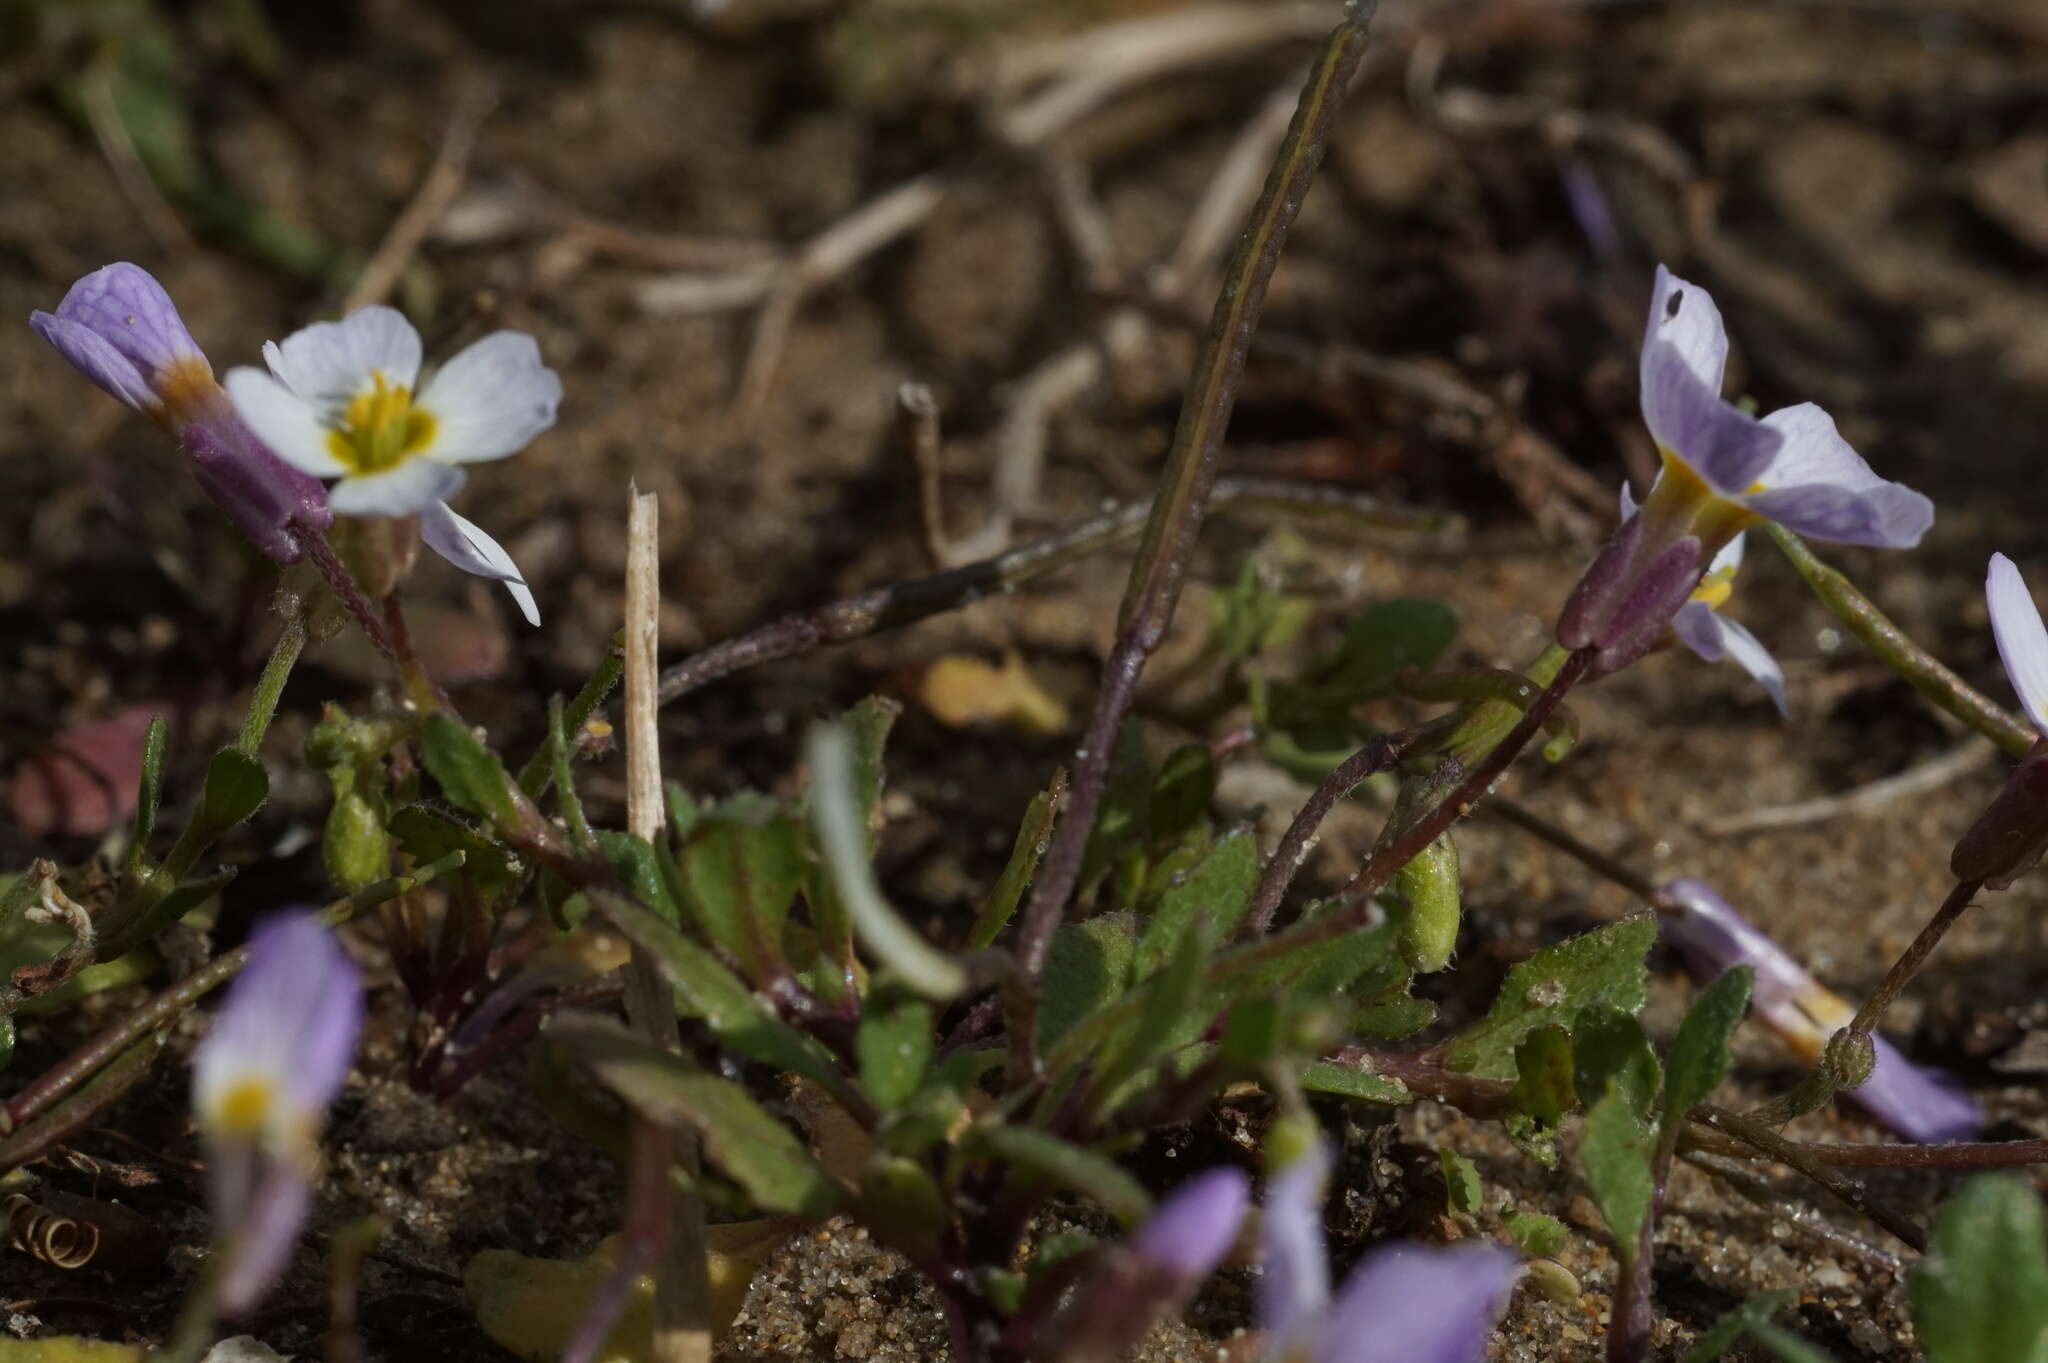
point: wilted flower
(1710, 936)
(120, 329)
(339, 402)
(1701, 626)
(1723, 470)
(2009, 836)
(261, 1083)
(1403, 1303)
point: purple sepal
(1709, 935)
(1601, 587)
(1660, 588)
(1407, 1303)
(2009, 836)
(265, 497)
(99, 361)
(1195, 1227)
(259, 1247)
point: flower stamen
(381, 428)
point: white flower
(339, 402)
(2022, 639)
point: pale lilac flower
(2009, 837)
(261, 1083)
(1710, 936)
(1403, 1303)
(1723, 470)
(2022, 640)
(1196, 1226)
(120, 329)
(339, 402)
(1701, 626)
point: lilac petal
(1710, 936)
(291, 1020)
(2022, 639)
(1713, 637)
(1918, 1103)
(1294, 1289)
(466, 546)
(329, 363)
(124, 306)
(258, 1245)
(492, 399)
(1406, 1303)
(407, 490)
(98, 360)
(1866, 509)
(1194, 1228)
(1685, 351)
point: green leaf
(1699, 1059)
(1381, 641)
(1554, 986)
(1612, 1052)
(706, 989)
(1466, 1194)
(1066, 1166)
(1535, 1234)
(1180, 796)
(1120, 819)
(236, 786)
(1981, 1294)
(741, 869)
(1731, 1327)
(428, 834)
(1087, 967)
(470, 774)
(1614, 1151)
(1249, 618)
(740, 1139)
(902, 1205)
(894, 1044)
(1543, 1091)
(150, 791)
(1168, 1021)
(1348, 1081)
(1213, 895)
(1034, 834)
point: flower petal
(1196, 1226)
(259, 1242)
(1294, 1289)
(407, 490)
(1752, 657)
(284, 421)
(2022, 639)
(328, 363)
(291, 1020)
(1698, 627)
(1819, 486)
(1407, 1303)
(1918, 1103)
(491, 399)
(124, 306)
(466, 546)
(96, 358)
(1729, 559)
(1685, 351)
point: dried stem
(905, 603)
(1165, 552)
(682, 1291)
(1851, 1194)
(1295, 844)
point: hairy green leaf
(1067, 1166)
(236, 786)
(1611, 1051)
(1554, 986)
(1981, 1294)
(1535, 1234)
(1614, 1151)
(1087, 967)
(1034, 835)
(741, 869)
(894, 1044)
(470, 774)
(1698, 1059)
(1462, 1188)
(1213, 895)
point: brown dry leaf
(85, 780)
(961, 690)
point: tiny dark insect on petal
(1671, 303)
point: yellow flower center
(1715, 588)
(1685, 502)
(381, 428)
(244, 1110)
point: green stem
(538, 772)
(1927, 674)
(276, 671)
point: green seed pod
(354, 844)
(1430, 904)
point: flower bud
(2010, 835)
